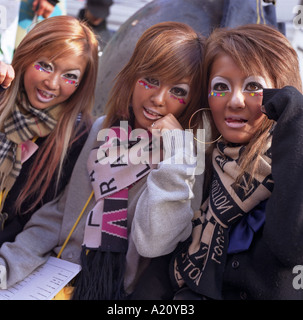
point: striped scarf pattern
(24, 123)
(200, 265)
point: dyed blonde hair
(56, 37)
(168, 51)
(256, 50)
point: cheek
(135, 96)
(258, 119)
(66, 90)
(31, 76)
(175, 106)
(139, 96)
(217, 106)
(178, 109)
(31, 80)
(255, 109)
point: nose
(237, 99)
(159, 96)
(53, 81)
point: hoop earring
(209, 142)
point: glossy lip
(42, 98)
(235, 122)
(150, 114)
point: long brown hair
(257, 50)
(169, 51)
(53, 38)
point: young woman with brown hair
(100, 220)
(247, 235)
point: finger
(40, 11)
(46, 13)
(10, 75)
(169, 122)
(2, 77)
(34, 7)
(3, 71)
(153, 129)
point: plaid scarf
(200, 265)
(24, 123)
(105, 242)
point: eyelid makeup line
(76, 73)
(256, 94)
(38, 67)
(148, 86)
(216, 94)
(219, 79)
(182, 86)
(181, 100)
(257, 79)
(70, 81)
(145, 84)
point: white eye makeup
(43, 66)
(180, 90)
(153, 82)
(69, 77)
(72, 76)
(219, 86)
(254, 84)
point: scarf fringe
(102, 276)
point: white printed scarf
(111, 173)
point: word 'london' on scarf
(115, 150)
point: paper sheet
(44, 283)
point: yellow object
(66, 292)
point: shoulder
(85, 133)
(91, 139)
(97, 125)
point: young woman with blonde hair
(45, 116)
(247, 235)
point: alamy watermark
(297, 282)
(121, 145)
(298, 19)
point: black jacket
(265, 271)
